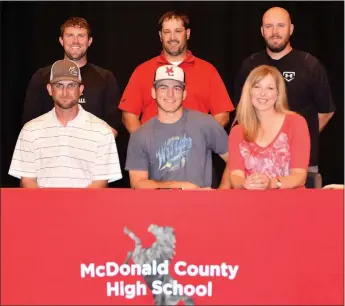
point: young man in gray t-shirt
(174, 149)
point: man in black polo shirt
(101, 94)
(306, 79)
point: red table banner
(161, 247)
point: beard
(182, 48)
(276, 48)
(64, 105)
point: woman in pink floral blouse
(269, 148)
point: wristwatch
(279, 183)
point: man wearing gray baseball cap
(67, 146)
(174, 149)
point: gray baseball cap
(65, 70)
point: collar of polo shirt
(79, 118)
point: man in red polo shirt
(206, 90)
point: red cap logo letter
(169, 71)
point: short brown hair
(174, 15)
(76, 22)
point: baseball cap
(169, 72)
(65, 70)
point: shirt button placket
(68, 150)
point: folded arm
(259, 181)
(98, 184)
(28, 182)
(236, 179)
(140, 180)
(225, 182)
(297, 178)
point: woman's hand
(257, 181)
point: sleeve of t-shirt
(321, 90)
(111, 102)
(299, 140)
(137, 155)
(33, 102)
(23, 160)
(235, 159)
(220, 101)
(132, 100)
(107, 164)
(216, 136)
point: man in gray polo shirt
(174, 149)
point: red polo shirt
(206, 91)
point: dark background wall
(125, 35)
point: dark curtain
(125, 35)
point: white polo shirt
(66, 156)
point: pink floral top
(289, 149)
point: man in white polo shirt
(68, 146)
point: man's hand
(323, 120)
(28, 182)
(188, 185)
(98, 184)
(333, 186)
(115, 133)
(257, 181)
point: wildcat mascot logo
(161, 250)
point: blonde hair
(245, 112)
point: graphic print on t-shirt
(273, 160)
(173, 154)
(289, 75)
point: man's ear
(292, 28)
(160, 35)
(61, 41)
(90, 41)
(49, 88)
(188, 34)
(153, 93)
(81, 89)
(184, 96)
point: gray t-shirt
(181, 151)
